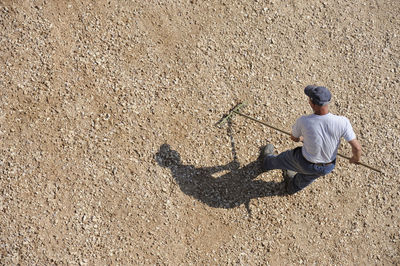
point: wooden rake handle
(235, 110)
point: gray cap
(319, 95)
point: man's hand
(356, 150)
(354, 160)
(296, 139)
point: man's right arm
(296, 132)
(356, 150)
(296, 139)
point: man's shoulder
(312, 118)
(339, 118)
(305, 118)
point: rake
(236, 109)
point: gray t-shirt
(322, 135)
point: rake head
(227, 117)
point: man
(320, 133)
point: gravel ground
(109, 153)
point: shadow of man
(227, 191)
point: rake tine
(230, 114)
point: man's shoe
(288, 174)
(268, 150)
(264, 152)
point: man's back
(322, 134)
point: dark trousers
(293, 160)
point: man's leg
(304, 178)
(299, 182)
(292, 160)
(285, 160)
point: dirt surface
(109, 152)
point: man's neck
(323, 110)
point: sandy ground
(109, 153)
